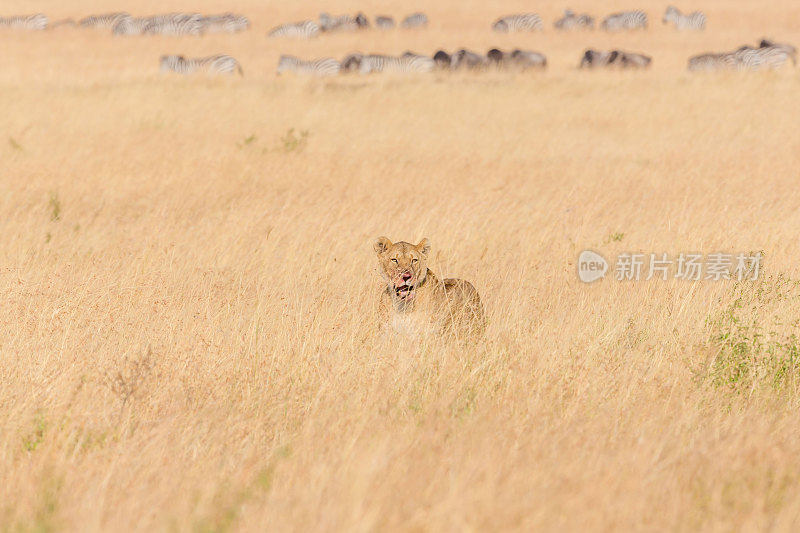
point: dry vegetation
(187, 281)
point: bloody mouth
(404, 290)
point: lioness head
(403, 265)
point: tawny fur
(414, 302)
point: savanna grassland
(188, 284)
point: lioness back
(466, 307)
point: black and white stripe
(316, 67)
(25, 22)
(131, 26)
(572, 21)
(212, 65)
(521, 22)
(415, 20)
(103, 21)
(176, 24)
(225, 23)
(301, 30)
(527, 59)
(690, 21)
(790, 50)
(408, 63)
(625, 20)
(712, 62)
(767, 57)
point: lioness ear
(381, 245)
(424, 246)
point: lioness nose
(406, 276)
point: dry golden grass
(187, 330)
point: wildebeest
(468, 59)
(614, 58)
(351, 62)
(495, 56)
(442, 59)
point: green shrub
(756, 336)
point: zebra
(572, 21)
(769, 57)
(408, 63)
(690, 21)
(788, 48)
(167, 17)
(219, 64)
(176, 24)
(625, 20)
(343, 22)
(468, 59)
(225, 23)
(384, 23)
(326, 66)
(526, 59)
(415, 20)
(131, 26)
(708, 62)
(25, 22)
(302, 30)
(104, 21)
(523, 22)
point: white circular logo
(591, 266)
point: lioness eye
(414, 260)
(394, 260)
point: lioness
(416, 302)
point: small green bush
(756, 336)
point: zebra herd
(169, 24)
(623, 20)
(462, 59)
(409, 62)
(122, 23)
(25, 22)
(614, 58)
(306, 29)
(767, 55)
